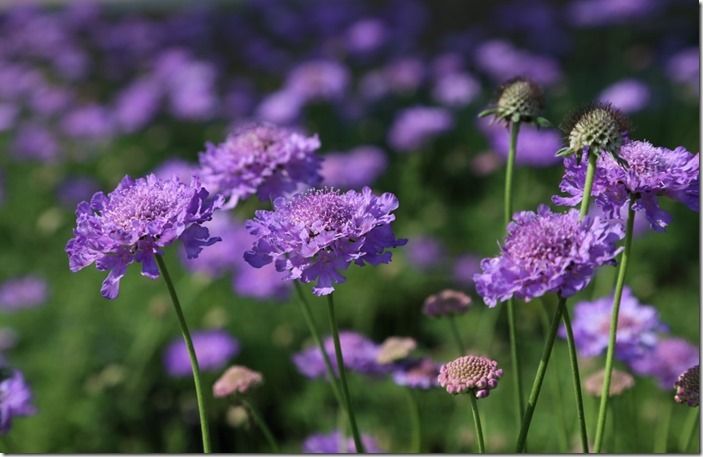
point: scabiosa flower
(547, 252)
(464, 269)
(688, 387)
(135, 222)
(474, 374)
(638, 327)
(650, 172)
(413, 128)
(589, 13)
(260, 159)
(360, 355)
(669, 358)
(316, 234)
(455, 90)
(620, 381)
(424, 252)
(628, 95)
(416, 373)
(91, 122)
(395, 348)
(15, 399)
(318, 80)
(214, 348)
(446, 303)
(501, 60)
(355, 169)
(335, 443)
(24, 292)
(236, 380)
(519, 100)
(595, 130)
(682, 67)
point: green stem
(507, 216)
(262, 425)
(307, 314)
(343, 377)
(477, 424)
(588, 184)
(456, 335)
(191, 353)
(539, 377)
(416, 424)
(689, 429)
(622, 270)
(662, 440)
(576, 377)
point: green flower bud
(519, 100)
(596, 129)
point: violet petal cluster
(335, 443)
(416, 373)
(638, 327)
(667, 361)
(547, 252)
(651, 172)
(15, 399)
(446, 303)
(134, 222)
(213, 348)
(477, 375)
(260, 159)
(415, 127)
(354, 169)
(23, 292)
(315, 235)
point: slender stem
(507, 215)
(416, 424)
(262, 425)
(477, 424)
(662, 439)
(456, 335)
(689, 429)
(622, 271)
(191, 353)
(576, 377)
(539, 377)
(307, 314)
(588, 184)
(343, 377)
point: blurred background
(91, 91)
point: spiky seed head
(688, 387)
(596, 129)
(519, 100)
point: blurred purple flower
(404, 75)
(213, 348)
(365, 36)
(535, 147)
(424, 252)
(23, 292)
(8, 116)
(176, 168)
(590, 13)
(335, 443)
(137, 104)
(15, 399)
(455, 90)
(282, 107)
(318, 80)
(354, 169)
(35, 142)
(413, 128)
(74, 190)
(416, 373)
(628, 95)
(667, 361)
(683, 67)
(465, 267)
(92, 122)
(502, 61)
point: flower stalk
(477, 424)
(262, 425)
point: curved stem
(262, 425)
(576, 377)
(416, 424)
(588, 184)
(343, 378)
(191, 353)
(539, 377)
(456, 335)
(622, 270)
(689, 429)
(307, 314)
(507, 215)
(477, 424)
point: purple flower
(213, 348)
(335, 443)
(318, 80)
(473, 374)
(446, 302)
(92, 122)
(424, 252)
(413, 128)
(683, 67)
(455, 90)
(638, 327)
(15, 399)
(502, 61)
(190, 85)
(260, 159)
(137, 104)
(416, 373)
(547, 252)
(360, 355)
(667, 361)
(589, 13)
(651, 171)
(465, 267)
(535, 147)
(365, 36)
(22, 293)
(314, 235)
(74, 190)
(628, 95)
(404, 75)
(282, 107)
(35, 142)
(176, 168)
(354, 169)
(134, 222)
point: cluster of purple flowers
(335, 443)
(214, 349)
(24, 292)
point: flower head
(594, 130)
(24, 292)
(547, 252)
(260, 159)
(15, 399)
(395, 348)
(637, 333)
(213, 348)
(314, 235)
(335, 443)
(415, 127)
(416, 373)
(360, 355)
(650, 172)
(628, 95)
(446, 303)
(237, 379)
(519, 100)
(620, 381)
(669, 358)
(688, 387)
(470, 373)
(355, 169)
(134, 222)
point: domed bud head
(472, 374)
(688, 387)
(519, 100)
(596, 129)
(395, 348)
(236, 380)
(620, 381)
(446, 303)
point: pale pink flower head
(473, 374)
(237, 379)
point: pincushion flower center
(541, 244)
(321, 211)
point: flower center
(542, 242)
(321, 210)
